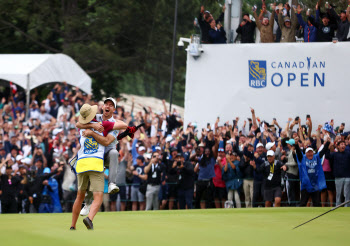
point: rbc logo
(257, 74)
(90, 145)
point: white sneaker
(85, 210)
(113, 188)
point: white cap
(158, 148)
(142, 148)
(308, 149)
(26, 161)
(56, 131)
(259, 145)
(168, 139)
(19, 157)
(270, 153)
(111, 99)
(269, 145)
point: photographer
(172, 177)
(247, 29)
(204, 187)
(233, 178)
(38, 156)
(185, 170)
(154, 172)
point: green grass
(192, 227)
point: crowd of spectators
(168, 165)
(283, 23)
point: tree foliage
(125, 46)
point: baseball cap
(286, 19)
(189, 146)
(47, 170)
(270, 153)
(19, 158)
(142, 148)
(158, 148)
(308, 149)
(173, 149)
(290, 141)
(112, 100)
(179, 155)
(259, 145)
(58, 130)
(269, 145)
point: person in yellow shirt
(89, 166)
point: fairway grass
(214, 227)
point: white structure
(277, 80)
(30, 71)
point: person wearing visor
(311, 174)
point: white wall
(217, 83)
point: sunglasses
(155, 156)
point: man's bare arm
(105, 141)
(96, 126)
(120, 125)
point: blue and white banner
(277, 80)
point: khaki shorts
(96, 181)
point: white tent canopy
(30, 71)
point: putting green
(271, 226)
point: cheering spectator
(219, 185)
(325, 30)
(342, 22)
(265, 28)
(203, 20)
(248, 174)
(311, 174)
(204, 186)
(65, 110)
(246, 29)
(292, 183)
(259, 184)
(310, 31)
(271, 170)
(9, 185)
(341, 170)
(287, 25)
(139, 184)
(153, 171)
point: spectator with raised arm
(287, 25)
(265, 27)
(310, 31)
(342, 22)
(203, 20)
(325, 29)
(272, 172)
(311, 175)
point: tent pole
(27, 98)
